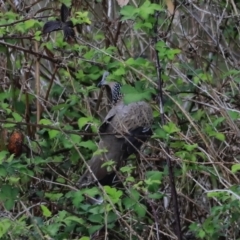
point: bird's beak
(103, 81)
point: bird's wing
(68, 33)
(123, 119)
(51, 26)
(65, 12)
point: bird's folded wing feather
(125, 118)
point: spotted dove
(128, 125)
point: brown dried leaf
(170, 6)
(122, 3)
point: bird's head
(103, 81)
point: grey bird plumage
(122, 122)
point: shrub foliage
(53, 54)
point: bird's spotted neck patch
(116, 93)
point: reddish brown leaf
(15, 143)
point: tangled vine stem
(169, 163)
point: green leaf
(190, 147)
(154, 175)
(133, 97)
(89, 145)
(220, 136)
(83, 121)
(201, 233)
(218, 121)
(130, 179)
(8, 195)
(132, 94)
(5, 225)
(61, 180)
(153, 180)
(127, 169)
(112, 217)
(100, 151)
(128, 12)
(134, 194)
(30, 24)
(53, 133)
(95, 228)
(13, 180)
(155, 196)
(39, 160)
(62, 215)
(3, 171)
(17, 117)
(161, 47)
(128, 202)
(172, 52)
(160, 133)
(45, 122)
(37, 35)
(96, 218)
(53, 228)
(109, 163)
(53, 196)
(140, 25)
(113, 193)
(77, 198)
(140, 210)
(235, 168)
(46, 211)
(120, 71)
(3, 155)
(81, 17)
(91, 191)
(9, 125)
(171, 128)
(75, 138)
(70, 219)
(10, 15)
(231, 72)
(234, 115)
(214, 194)
(9, 159)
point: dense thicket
(51, 58)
